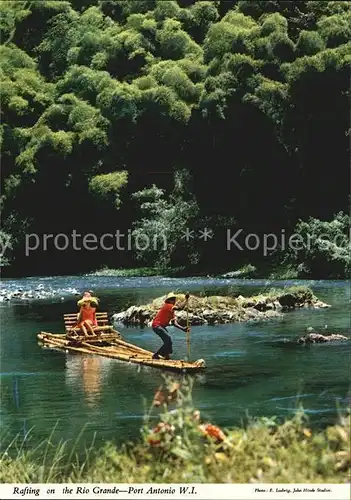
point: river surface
(251, 369)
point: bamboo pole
(133, 347)
(113, 339)
(173, 365)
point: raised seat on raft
(70, 321)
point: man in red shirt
(162, 319)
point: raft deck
(110, 345)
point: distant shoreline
(278, 272)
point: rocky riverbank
(40, 292)
(220, 309)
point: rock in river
(224, 309)
(318, 338)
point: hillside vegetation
(156, 116)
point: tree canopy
(102, 99)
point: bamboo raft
(109, 343)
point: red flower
(154, 442)
(212, 431)
(161, 428)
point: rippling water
(251, 369)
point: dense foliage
(243, 104)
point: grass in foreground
(263, 452)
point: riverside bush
(263, 451)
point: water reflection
(87, 373)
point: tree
(163, 223)
(324, 247)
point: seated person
(86, 320)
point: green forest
(153, 117)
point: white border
(176, 491)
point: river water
(251, 369)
